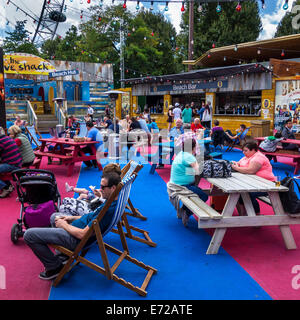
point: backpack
(38, 215)
(216, 169)
(289, 199)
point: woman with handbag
(254, 162)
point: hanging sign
(22, 63)
(63, 73)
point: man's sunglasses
(103, 187)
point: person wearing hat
(177, 112)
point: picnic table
(68, 151)
(295, 155)
(236, 186)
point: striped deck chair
(94, 235)
(82, 130)
(131, 168)
(34, 136)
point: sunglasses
(103, 187)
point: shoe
(68, 187)
(4, 193)
(159, 166)
(50, 274)
(185, 219)
(62, 257)
(11, 188)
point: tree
(18, 40)
(285, 26)
(225, 28)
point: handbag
(216, 169)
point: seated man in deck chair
(69, 230)
(230, 137)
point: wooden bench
(52, 155)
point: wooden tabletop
(67, 141)
(239, 183)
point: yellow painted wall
(38, 106)
(119, 102)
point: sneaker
(185, 219)
(68, 187)
(4, 193)
(11, 188)
(50, 274)
(62, 257)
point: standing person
(201, 110)
(207, 117)
(69, 230)
(177, 111)
(187, 116)
(23, 144)
(170, 117)
(93, 134)
(11, 160)
(90, 112)
(146, 115)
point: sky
(9, 13)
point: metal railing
(32, 118)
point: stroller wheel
(15, 233)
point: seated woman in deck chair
(230, 137)
(254, 162)
(69, 230)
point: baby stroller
(36, 188)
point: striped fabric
(9, 151)
(121, 204)
(133, 165)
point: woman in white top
(207, 117)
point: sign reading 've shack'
(22, 63)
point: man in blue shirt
(93, 134)
(69, 230)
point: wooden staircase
(46, 121)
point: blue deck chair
(131, 168)
(241, 139)
(95, 236)
(33, 136)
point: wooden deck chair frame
(34, 138)
(78, 255)
(241, 139)
(133, 212)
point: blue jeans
(39, 238)
(199, 192)
(5, 167)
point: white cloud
(270, 21)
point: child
(84, 193)
(270, 143)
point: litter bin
(59, 129)
(260, 128)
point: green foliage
(18, 40)
(285, 26)
(225, 28)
